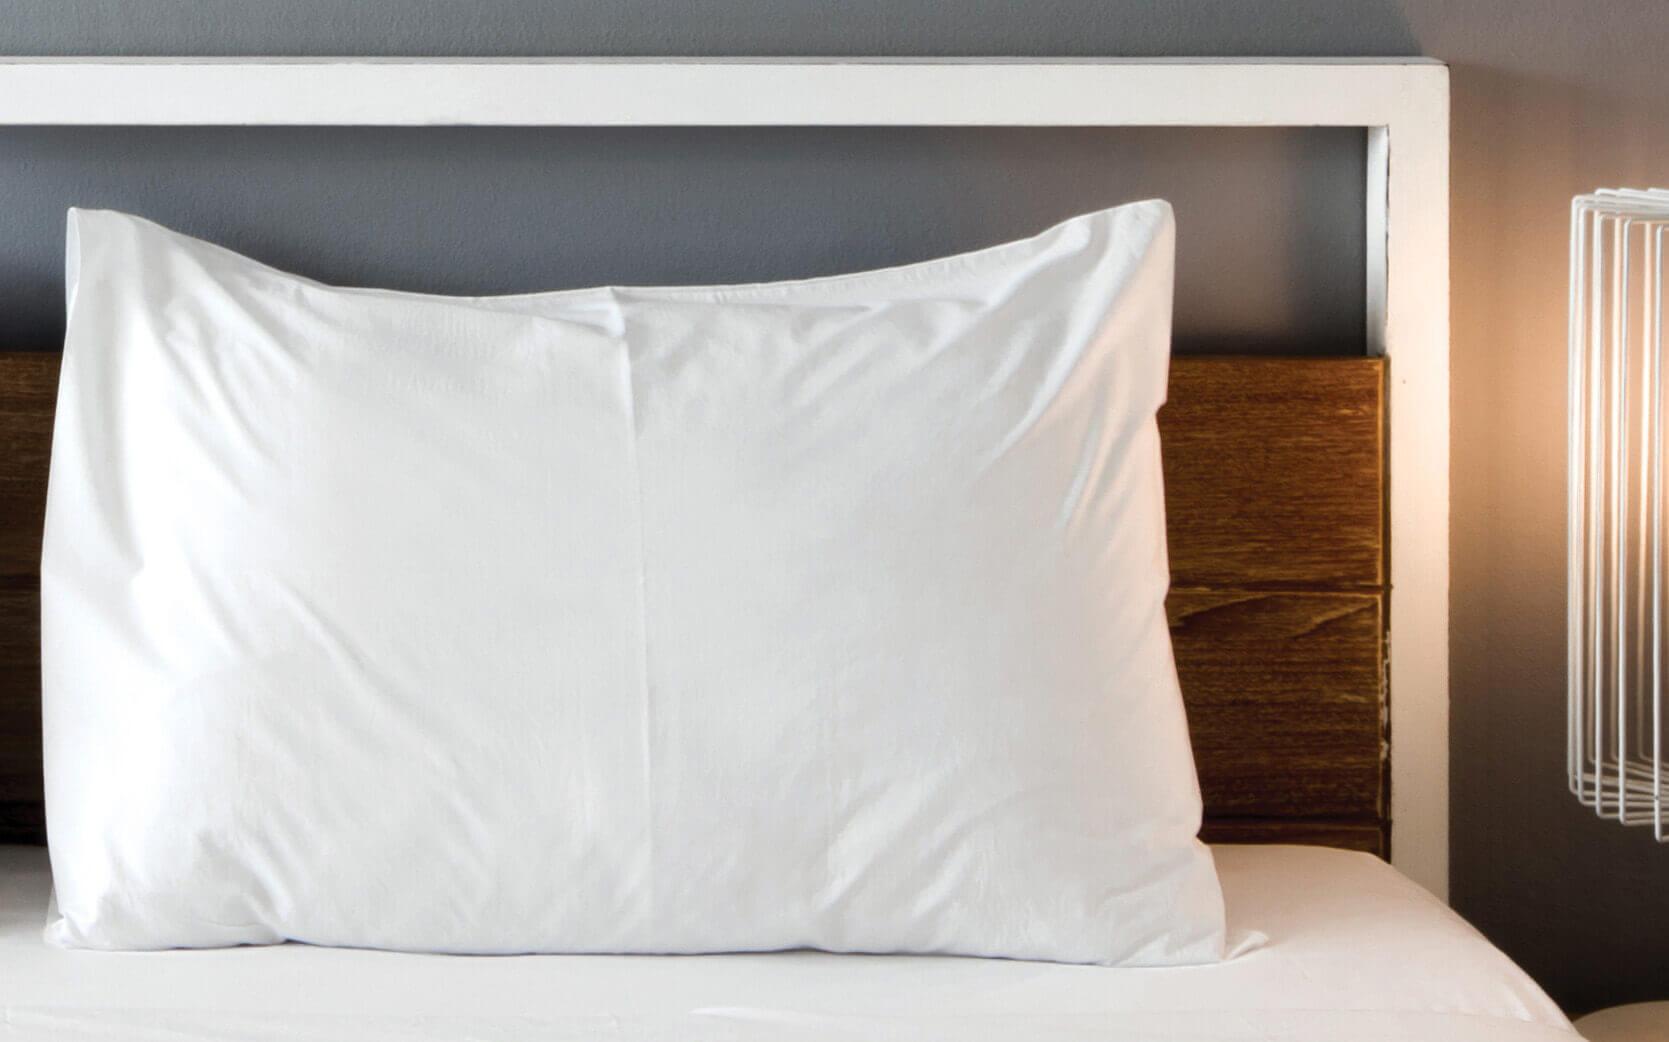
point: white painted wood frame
(1403, 103)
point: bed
(1294, 506)
(1333, 945)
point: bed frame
(1296, 507)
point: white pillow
(822, 613)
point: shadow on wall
(725, 27)
(1270, 254)
(1582, 904)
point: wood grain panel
(1274, 497)
(1274, 472)
(1368, 836)
(1284, 700)
(28, 394)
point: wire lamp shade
(1619, 594)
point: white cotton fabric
(1351, 952)
(816, 614)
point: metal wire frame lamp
(1619, 593)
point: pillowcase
(812, 614)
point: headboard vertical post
(1413, 151)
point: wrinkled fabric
(815, 614)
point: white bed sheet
(1353, 951)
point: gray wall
(505, 210)
(1550, 99)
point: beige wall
(1550, 99)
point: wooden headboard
(1275, 487)
(1276, 498)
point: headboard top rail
(1226, 92)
